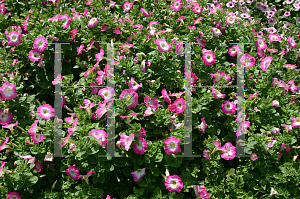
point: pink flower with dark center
(173, 183)
(163, 46)
(139, 174)
(172, 145)
(34, 55)
(131, 96)
(228, 107)
(14, 38)
(295, 122)
(38, 166)
(73, 172)
(141, 147)
(127, 6)
(291, 42)
(40, 44)
(234, 50)
(265, 63)
(8, 91)
(209, 58)
(228, 151)
(253, 156)
(99, 135)
(46, 111)
(5, 116)
(126, 141)
(248, 60)
(13, 195)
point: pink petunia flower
(253, 156)
(248, 61)
(197, 9)
(217, 32)
(13, 195)
(3, 143)
(131, 96)
(127, 6)
(46, 111)
(209, 58)
(28, 157)
(172, 145)
(67, 20)
(145, 13)
(291, 42)
(275, 103)
(36, 137)
(234, 50)
(8, 91)
(265, 63)
(228, 107)
(166, 96)
(133, 85)
(34, 55)
(254, 95)
(101, 110)
(126, 141)
(203, 125)
(295, 122)
(206, 154)
(5, 116)
(260, 43)
(67, 139)
(58, 79)
(38, 166)
(94, 87)
(93, 21)
(14, 38)
(40, 44)
(173, 183)
(230, 20)
(141, 147)
(273, 37)
(228, 151)
(178, 106)
(162, 45)
(70, 120)
(139, 174)
(273, 192)
(99, 56)
(217, 94)
(73, 172)
(71, 148)
(73, 33)
(201, 42)
(217, 144)
(290, 66)
(201, 192)
(79, 49)
(99, 135)
(177, 5)
(48, 157)
(107, 94)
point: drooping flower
(38, 166)
(201, 42)
(141, 147)
(99, 135)
(73, 33)
(162, 45)
(5, 117)
(145, 13)
(67, 139)
(126, 141)
(172, 145)
(139, 174)
(14, 38)
(209, 58)
(265, 63)
(40, 44)
(131, 96)
(166, 96)
(228, 151)
(173, 183)
(46, 111)
(99, 56)
(201, 192)
(73, 172)
(179, 48)
(79, 49)
(228, 107)
(3, 144)
(13, 195)
(253, 156)
(8, 91)
(94, 87)
(275, 103)
(217, 94)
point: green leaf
(159, 157)
(32, 180)
(173, 161)
(30, 98)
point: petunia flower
(58, 79)
(3, 143)
(145, 13)
(14, 38)
(93, 21)
(234, 50)
(275, 103)
(101, 110)
(260, 43)
(172, 145)
(139, 174)
(74, 126)
(48, 157)
(8, 91)
(67, 20)
(73, 172)
(197, 9)
(107, 94)
(29, 158)
(265, 63)
(38, 166)
(203, 125)
(217, 94)
(230, 20)
(5, 116)
(254, 95)
(126, 141)
(73, 33)
(253, 156)
(71, 148)
(131, 96)
(217, 32)
(201, 42)
(177, 5)
(128, 116)
(173, 183)
(295, 122)
(162, 45)
(79, 49)
(209, 58)
(291, 42)
(290, 66)
(13, 195)
(228, 151)
(99, 56)
(67, 139)
(178, 106)
(86, 177)
(34, 55)
(248, 61)
(133, 85)
(36, 137)
(70, 120)
(273, 192)
(166, 96)
(46, 111)
(99, 135)
(274, 37)
(40, 44)
(141, 147)
(206, 154)
(228, 107)
(201, 192)
(127, 6)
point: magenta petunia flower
(217, 144)
(5, 116)
(295, 122)
(127, 6)
(291, 42)
(203, 125)
(197, 9)
(260, 43)
(139, 174)
(273, 37)
(141, 147)
(201, 192)
(70, 120)
(209, 58)
(107, 94)
(126, 141)
(34, 55)
(99, 135)
(179, 48)
(73, 33)
(172, 145)
(131, 96)
(217, 94)
(166, 96)
(275, 103)
(273, 192)
(217, 32)
(162, 45)
(201, 42)
(228, 107)
(38, 166)
(94, 87)
(206, 154)
(230, 20)
(67, 20)
(3, 144)
(40, 44)
(265, 63)
(253, 156)
(290, 66)
(228, 151)
(178, 106)
(177, 5)
(101, 110)
(67, 139)
(58, 79)
(248, 60)
(93, 21)
(46, 111)
(36, 137)
(234, 50)
(79, 49)
(133, 85)
(145, 13)
(73, 172)
(8, 91)
(174, 184)
(28, 157)
(99, 56)
(14, 38)
(254, 95)
(13, 195)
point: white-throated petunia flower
(5, 116)
(209, 58)
(40, 44)
(273, 37)
(34, 55)
(127, 6)
(36, 137)
(253, 156)
(248, 61)
(228, 151)
(126, 141)
(228, 107)
(172, 145)
(3, 143)
(99, 135)
(133, 85)
(46, 111)
(166, 96)
(206, 154)
(295, 122)
(234, 50)
(177, 5)
(162, 45)
(14, 38)
(73, 172)
(291, 42)
(265, 63)
(8, 91)
(93, 22)
(275, 103)
(201, 192)
(131, 96)
(107, 94)
(38, 166)
(139, 174)
(141, 147)
(13, 195)
(173, 183)
(273, 192)
(217, 94)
